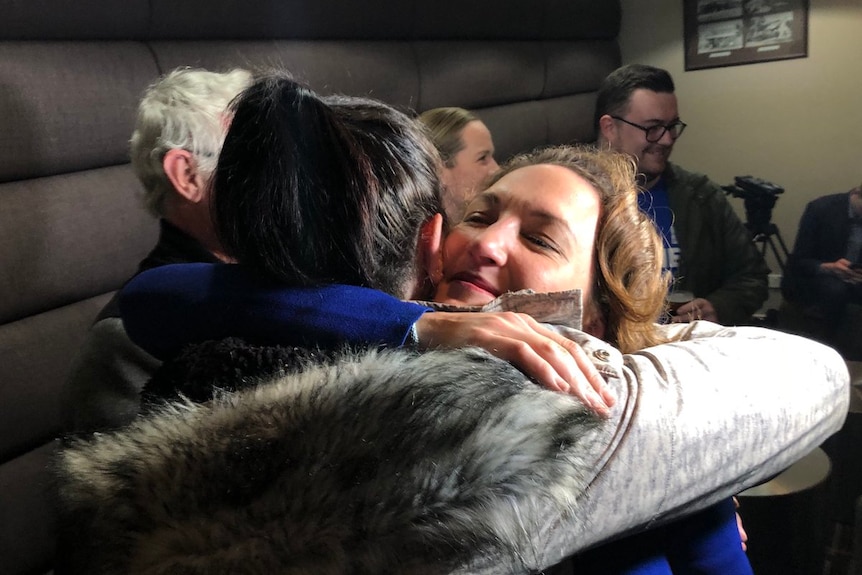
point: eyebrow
(550, 218)
(488, 198)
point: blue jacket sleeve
(166, 308)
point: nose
(491, 245)
(493, 166)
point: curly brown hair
(630, 288)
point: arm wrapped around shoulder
(701, 418)
(737, 406)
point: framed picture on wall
(733, 32)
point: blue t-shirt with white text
(655, 204)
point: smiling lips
(476, 282)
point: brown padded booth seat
(71, 225)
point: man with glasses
(707, 248)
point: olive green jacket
(718, 260)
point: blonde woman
(467, 150)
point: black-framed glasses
(656, 133)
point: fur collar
(380, 462)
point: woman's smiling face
(534, 228)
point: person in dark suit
(824, 272)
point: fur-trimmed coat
(378, 463)
(446, 462)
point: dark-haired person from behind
(321, 173)
(340, 211)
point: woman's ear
(179, 166)
(430, 249)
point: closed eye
(542, 243)
(478, 219)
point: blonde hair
(630, 288)
(444, 127)
(185, 109)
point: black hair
(312, 190)
(617, 88)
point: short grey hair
(185, 109)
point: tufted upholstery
(71, 225)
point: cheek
(480, 172)
(625, 143)
(548, 280)
(460, 170)
(528, 270)
(454, 251)
(632, 147)
(563, 277)
(447, 177)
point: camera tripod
(760, 197)
(766, 235)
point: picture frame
(734, 32)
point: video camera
(760, 197)
(747, 186)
